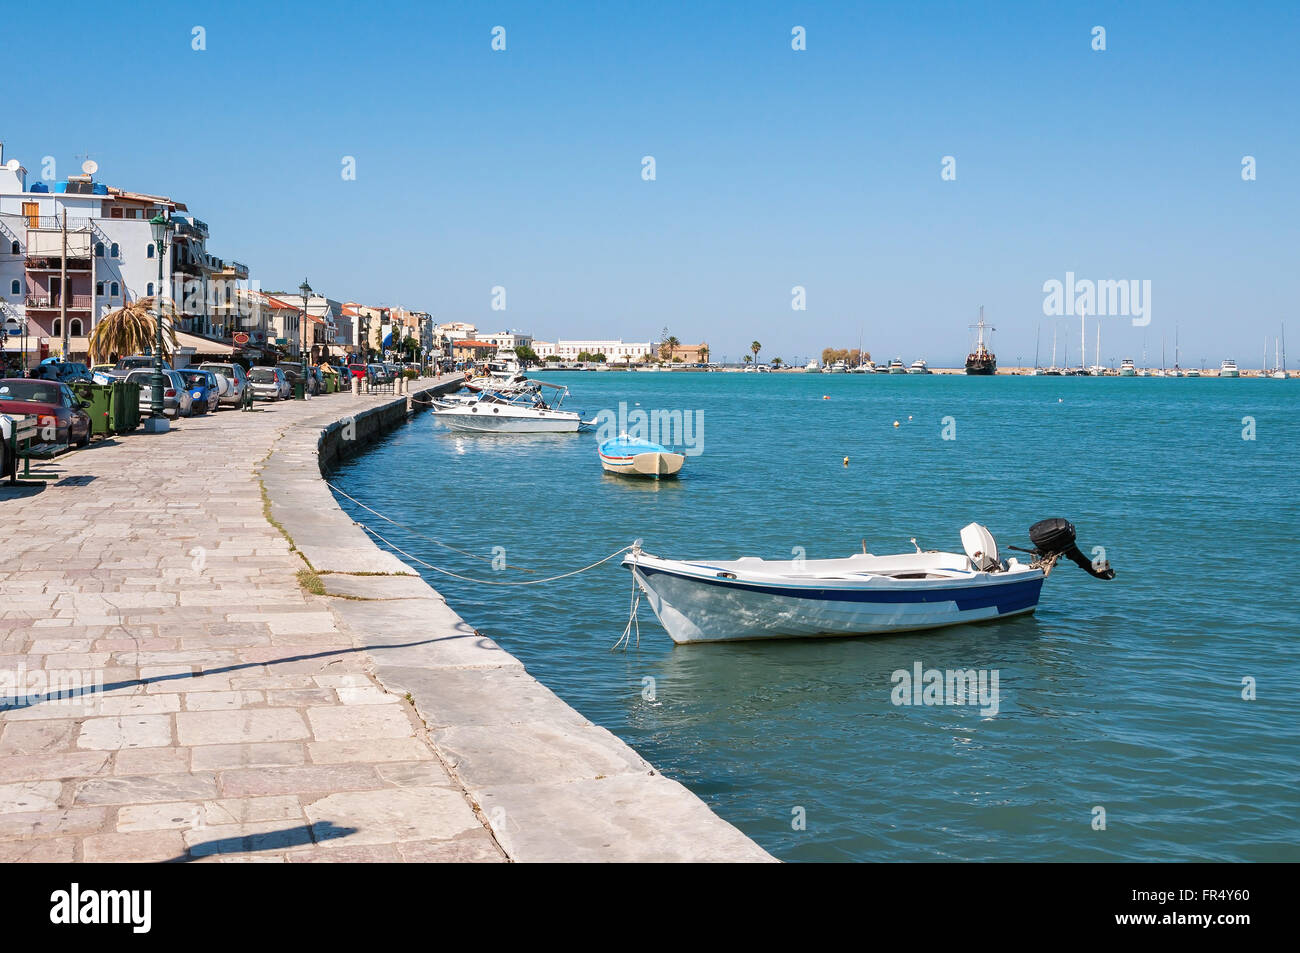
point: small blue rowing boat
(630, 456)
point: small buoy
(909, 416)
(895, 423)
(846, 461)
(1060, 400)
(826, 396)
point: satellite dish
(12, 165)
(90, 167)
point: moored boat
(919, 367)
(862, 594)
(521, 410)
(1229, 369)
(1127, 368)
(896, 366)
(629, 456)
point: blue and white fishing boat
(630, 456)
(862, 594)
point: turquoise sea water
(1124, 695)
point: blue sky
(775, 168)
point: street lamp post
(161, 227)
(305, 290)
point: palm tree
(704, 354)
(755, 347)
(748, 359)
(777, 362)
(131, 329)
(670, 344)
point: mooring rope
(415, 532)
(490, 582)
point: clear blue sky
(775, 168)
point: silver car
(269, 383)
(176, 396)
(232, 378)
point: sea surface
(1122, 697)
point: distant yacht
(918, 367)
(1127, 368)
(1193, 372)
(896, 366)
(811, 368)
(882, 367)
(1229, 369)
(981, 361)
(1279, 358)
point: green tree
(755, 347)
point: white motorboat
(862, 594)
(1127, 368)
(504, 365)
(515, 411)
(811, 368)
(1229, 369)
(896, 366)
(919, 367)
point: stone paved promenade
(243, 717)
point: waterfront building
(74, 250)
(616, 351)
(468, 349)
(688, 353)
(509, 340)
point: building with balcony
(75, 250)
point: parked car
(64, 371)
(136, 362)
(269, 383)
(361, 372)
(176, 398)
(379, 374)
(234, 379)
(293, 371)
(53, 404)
(204, 388)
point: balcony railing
(48, 303)
(55, 222)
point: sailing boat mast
(1037, 334)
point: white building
(107, 259)
(509, 340)
(616, 352)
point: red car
(52, 402)
(359, 371)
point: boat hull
(652, 464)
(696, 609)
(468, 422)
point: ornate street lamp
(304, 289)
(162, 227)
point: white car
(232, 378)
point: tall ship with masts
(981, 360)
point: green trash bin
(95, 399)
(124, 406)
(299, 389)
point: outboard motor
(1055, 537)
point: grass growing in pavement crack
(309, 580)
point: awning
(202, 345)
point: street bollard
(356, 386)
